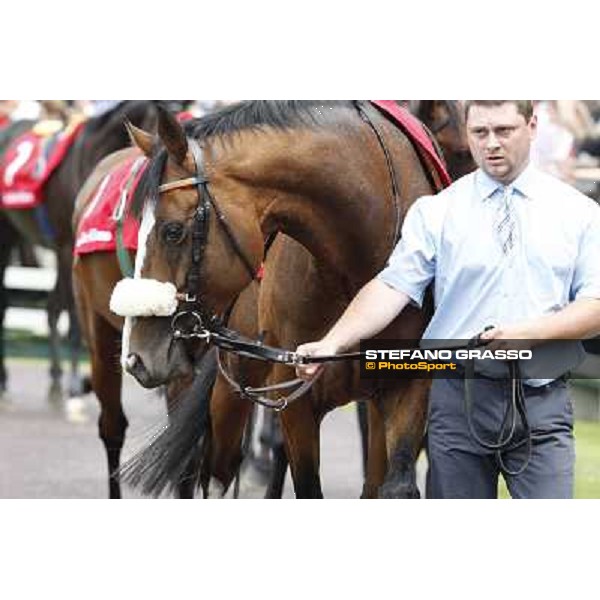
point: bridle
(209, 327)
(191, 302)
(192, 319)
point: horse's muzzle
(134, 365)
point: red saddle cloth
(414, 129)
(98, 226)
(29, 161)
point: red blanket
(98, 225)
(415, 131)
(29, 161)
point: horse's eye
(173, 233)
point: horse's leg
(405, 422)
(279, 461)
(4, 254)
(27, 256)
(262, 461)
(376, 454)
(104, 342)
(62, 298)
(278, 472)
(106, 381)
(363, 418)
(56, 305)
(76, 381)
(8, 236)
(228, 417)
(301, 428)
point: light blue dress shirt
(450, 238)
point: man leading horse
(509, 247)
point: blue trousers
(461, 468)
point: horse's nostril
(131, 361)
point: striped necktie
(505, 221)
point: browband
(181, 183)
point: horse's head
(445, 120)
(199, 245)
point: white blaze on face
(146, 227)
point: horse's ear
(140, 138)
(425, 110)
(172, 135)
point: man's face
(500, 139)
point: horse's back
(105, 166)
(95, 274)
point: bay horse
(10, 237)
(50, 225)
(316, 172)
(94, 277)
(444, 120)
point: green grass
(23, 344)
(587, 461)
(587, 434)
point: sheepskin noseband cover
(143, 298)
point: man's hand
(320, 348)
(508, 338)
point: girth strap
(364, 108)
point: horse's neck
(103, 142)
(317, 191)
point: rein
(515, 405)
(192, 320)
(209, 327)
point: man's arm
(374, 307)
(578, 320)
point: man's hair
(524, 107)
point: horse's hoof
(258, 470)
(405, 492)
(78, 386)
(215, 489)
(75, 410)
(55, 393)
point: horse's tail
(174, 454)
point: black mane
(258, 114)
(243, 116)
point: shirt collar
(524, 183)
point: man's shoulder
(564, 193)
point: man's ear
(533, 123)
